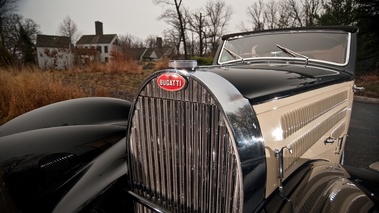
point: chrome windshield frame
(299, 59)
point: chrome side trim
(302, 144)
(339, 130)
(298, 118)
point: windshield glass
(330, 47)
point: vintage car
(263, 129)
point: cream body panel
(303, 122)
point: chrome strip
(303, 143)
(296, 119)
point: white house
(104, 43)
(54, 52)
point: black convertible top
(351, 29)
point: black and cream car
(263, 129)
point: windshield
(329, 47)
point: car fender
(45, 152)
(81, 111)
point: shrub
(203, 60)
(119, 63)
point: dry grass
(29, 88)
(116, 83)
(162, 64)
(114, 66)
(22, 91)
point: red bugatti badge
(171, 82)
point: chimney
(99, 28)
(159, 42)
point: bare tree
(256, 15)
(294, 11)
(271, 14)
(218, 16)
(197, 25)
(129, 41)
(19, 35)
(69, 28)
(311, 10)
(284, 15)
(151, 41)
(175, 17)
(172, 38)
(287, 13)
(7, 7)
(304, 13)
(277, 15)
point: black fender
(320, 186)
(45, 153)
(81, 111)
(367, 177)
(101, 185)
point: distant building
(151, 54)
(145, 54)
(54, 52)
(104, 43)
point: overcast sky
(134, 17)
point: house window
(105, 49)
(106, 59)
(99, 49)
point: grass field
(29, 88)
(22, 90)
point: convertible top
(351, 29)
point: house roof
(150, 53)
(137, 53)
(96, 39)
(145, 53)
(53, 41)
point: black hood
(261, 83)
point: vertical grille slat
(181, 154)
(164, 183)
(147, 149)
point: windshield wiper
(235, 55)
(293, 53)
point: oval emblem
(171, 82)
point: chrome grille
(181, 155)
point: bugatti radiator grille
(181, 156)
